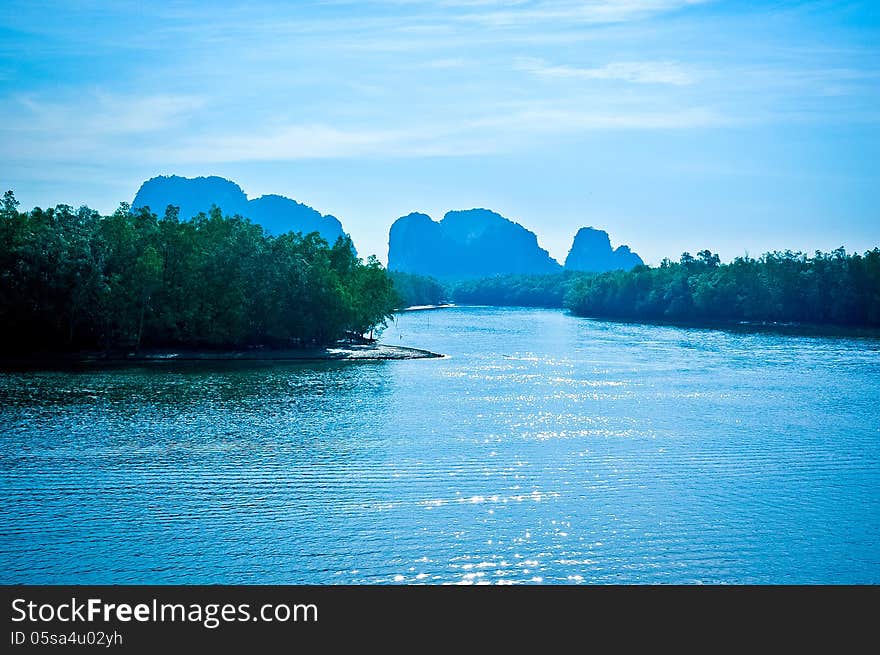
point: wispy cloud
(638, 72)
(100, 113)
(482, 135)
(162, 129)
(563, 121)
(291, 142)
(589, 12)
(102, 124)
(446, 63)
(322, 141)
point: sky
(675, 125)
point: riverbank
(338, 352)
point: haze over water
(545, 448)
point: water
(546, 449)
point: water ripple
(547, 449)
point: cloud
(321, 141)
(565, 121)
(573, 11)
(163, 129)
(482, 135)
(97, 124)
(637, 72)
(100, 113)
(446, 63)
(284, 143)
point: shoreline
(425, 308)
(788, 328)
(338, 353)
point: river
(545, 448)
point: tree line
(834, 288)
(74, 279)
(828, 288)
(516, 290)
(418, 289)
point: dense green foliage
(516, 290)
(418, 289)
(73, 279)
(833, 288)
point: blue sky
(673, 124)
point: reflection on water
(545, 449)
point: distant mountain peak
(591, 251)
(276, 213)
(468, 243)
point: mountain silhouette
(465, 244)
(275, 213)
(592, 251)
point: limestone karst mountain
(466, 244)
(591, 251)
(275, 213)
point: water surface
(546, 448)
